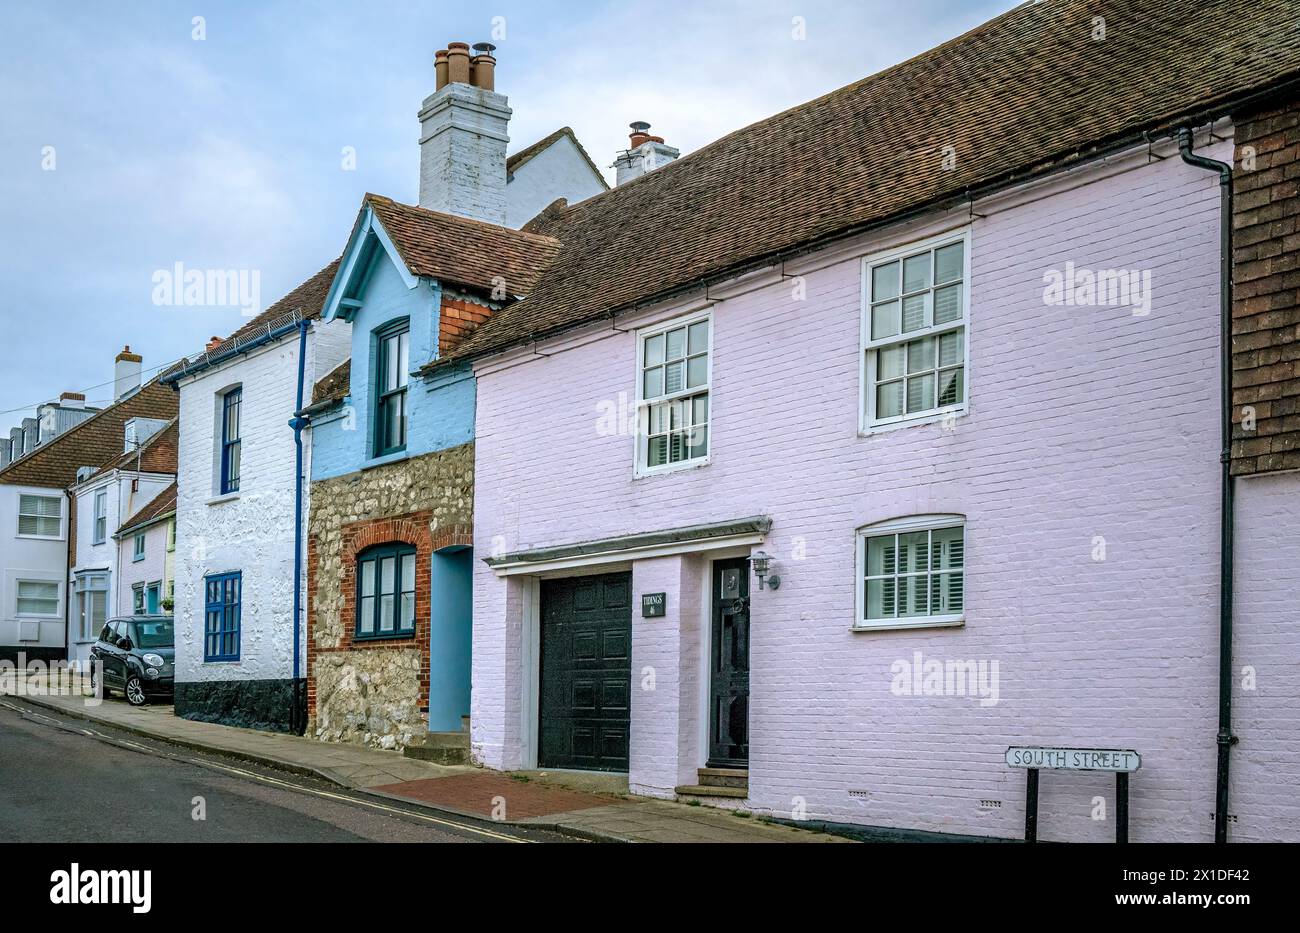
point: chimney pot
(457, 63)
(483, 66)
(213, 343)
(644, 153)
(440, 67)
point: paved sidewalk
(584, 805)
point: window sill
(395, 457)
(221, 660)
(396, 636)
(932, 622)
(930, 417)
(650, 472)
(224, 497)
(39, 537)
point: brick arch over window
(412, 528)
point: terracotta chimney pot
(440, 68)
(457, 63)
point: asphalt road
(67, 780)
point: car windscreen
(155, 634)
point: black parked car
(135, 654)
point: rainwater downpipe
(1224, 738)
(299, 421)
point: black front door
(586, 672)
(729, 668)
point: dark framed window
(231, 403)
(386, 591)
(392, 363)
(137, 598)
(221, 616)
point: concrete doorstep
(589, 806)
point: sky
(134, 136)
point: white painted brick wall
(252, 533)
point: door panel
(729, 666)
(586, 672)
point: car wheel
(134, 691)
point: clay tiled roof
(465, 252)
(335, 386)
(521, 158)
(157, 455)
(160, 506)
(94, 442)
(1027, 92)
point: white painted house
(146, 559)
(554, 166)
(235, 506)
(103, 500)
(39, 528)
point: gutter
(1224, 739)
(299, 421)
(1161, 129)
(173, 379)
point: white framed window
(915, 317)
(912, 572)
(40, 516)
(92, 605)
(37, 598)
(171, 536)
(674, 371)
(99, 532)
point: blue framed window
(221, 616)
(231, 403)
(138, 544)
(386, 592)
(392, 363)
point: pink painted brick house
(954, 364)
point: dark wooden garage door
(586, 672)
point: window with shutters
(36, 598)
(673, 376)
(911, 572)
(40, 516)
(915, 317)
(386, 592)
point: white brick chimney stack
(645, 153)
(126, 372)
(463, 137)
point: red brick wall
(457, 319)
(1266, 291)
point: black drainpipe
(1224, 738)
